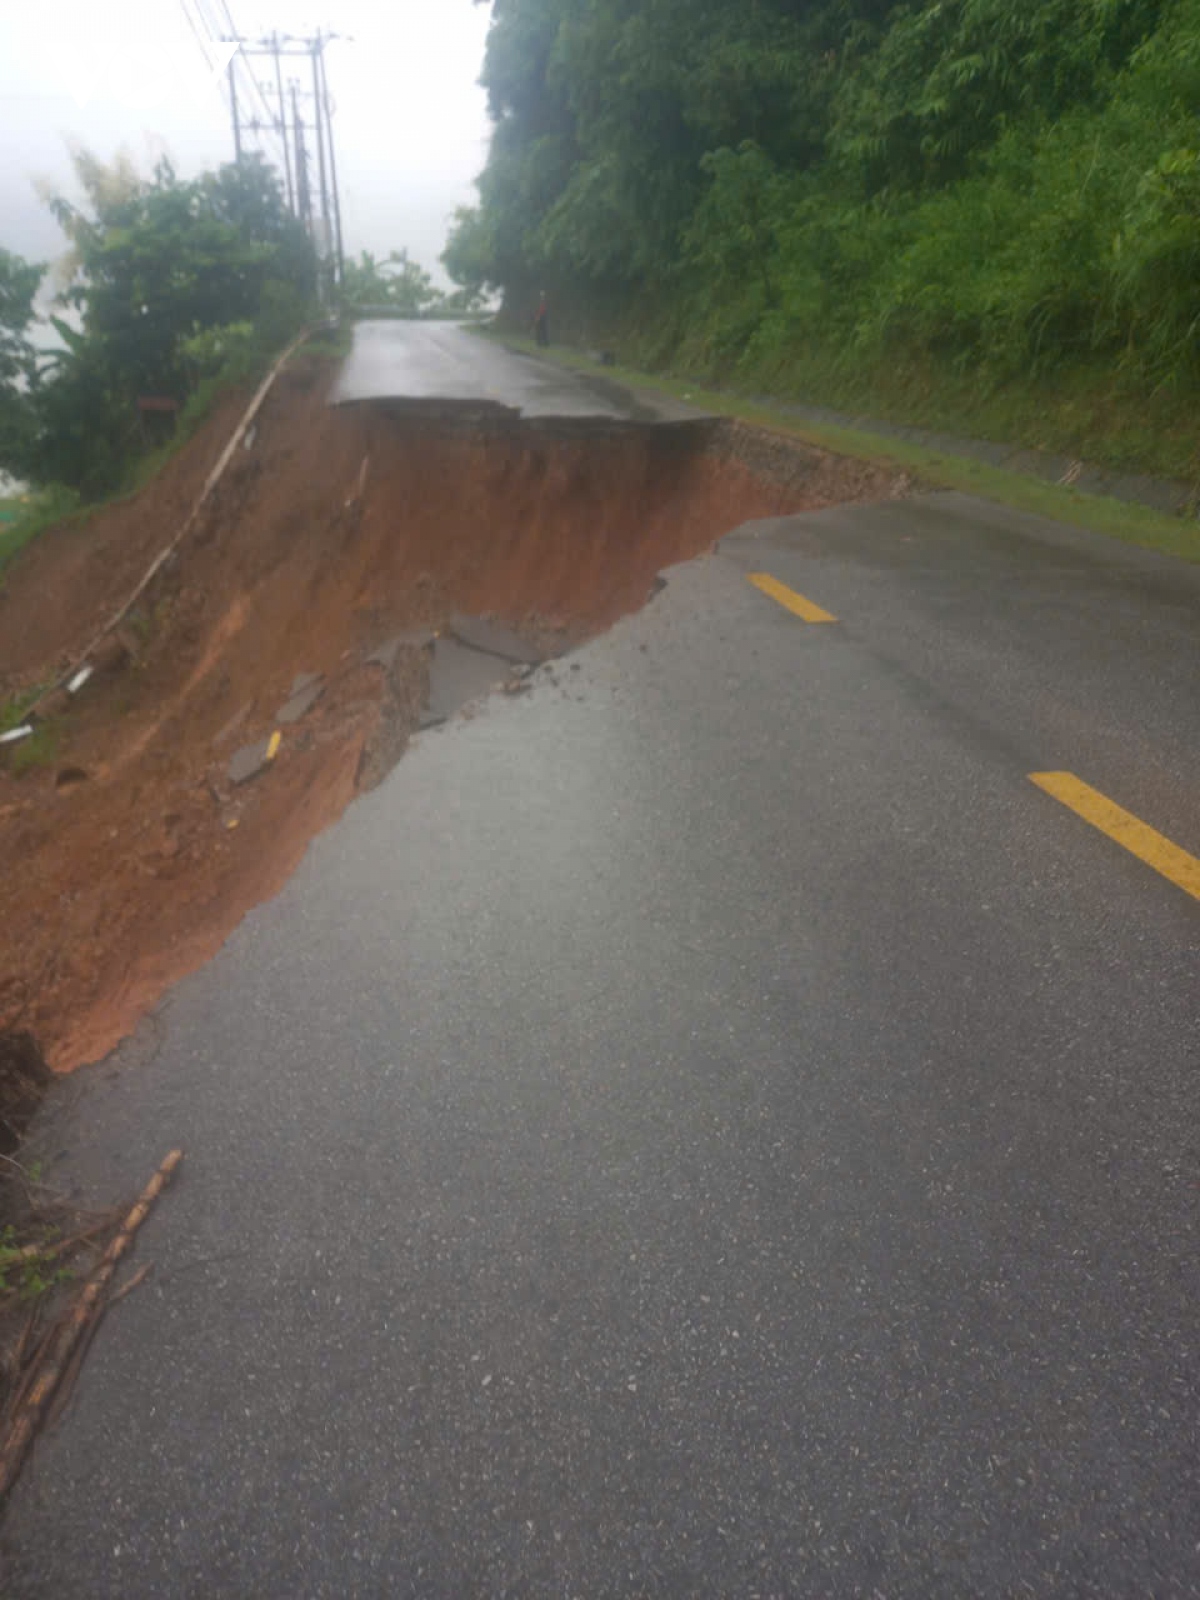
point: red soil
(305, 560)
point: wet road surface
(438, 363)
(709, 1126)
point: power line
(241, 87)
(216, 31)
(206, 18)
(202, 34)
(275, 123)
(211, 36)
(226, 85)
(323, 220)
(196, 34)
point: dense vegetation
(398, 286)
(843, 196)
(171, 288)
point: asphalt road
(438, 363)
(709, 1127)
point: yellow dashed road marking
(1133, 835)
(793, 602)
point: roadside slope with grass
(1119, 519)
(971, 215)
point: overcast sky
(410, 121)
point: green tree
(153, 263)
(19, 281)
(470, 256)
(169, 257)
(398, 284)
(1012, 185)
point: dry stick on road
(66, 1385)
(53, 1362)
(138, 1278)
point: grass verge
(39, 750)
(1139, 525)
(29, 515)
(331, 344)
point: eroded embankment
(129, 853)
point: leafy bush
(19, 282)
(397, 284)
(172, 284)
(226, 350)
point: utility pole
(283, 128)
(316, 46)
(328, 237)
(302, 194)
(233, 104)
(337, 203)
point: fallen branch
(52, 1362)
(26, 1339)
(135, 1282)
(66, 1387)
(53, 1248)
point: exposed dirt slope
(72, 577)
(128, 855)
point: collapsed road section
(360, 571)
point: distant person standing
(541, 322)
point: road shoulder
(1131, 523)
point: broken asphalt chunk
(459, 675)
(493, 639)
(385, 654)
(302, 701)
(250, 760)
